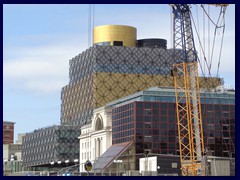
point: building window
(117, 43)
(210, 133)
(211, 141)
(147, 138)
(225, 114)
(99, 124)
(147, 111)
(6, 136)
(225, 140)
(103, 43)
(225, 127)
(147, 125)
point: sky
(39, 41)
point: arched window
(99, 124)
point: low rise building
(12, 157)
(96, 137)
(8, 132)
(50, 147)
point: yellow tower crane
(187, 92)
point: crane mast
(186, 83)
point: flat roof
(8, 122)
(170, 92)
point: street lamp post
(67, 169)
(75, 161)
(59, 163)
(5, 165)
(79, 158)
(94, 165)
(67, 161)
(51, 163)
(21, 165)
(12, 163)
(158, 168)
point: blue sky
(39, 41)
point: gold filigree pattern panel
(111, 86)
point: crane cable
(223, 10)
(89, 24)
(204, 41)
(91, 14)
(216, 27)
(209, 16)
(199, 33)
(202, 48)
(209, 49)
(171, 26)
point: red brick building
(8, 132)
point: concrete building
(10, 150)
(20, 138)
(12, 157)
(8, 132)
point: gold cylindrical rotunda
(115, 35)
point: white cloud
(35, 74)
(45, 86)
(39, 68)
